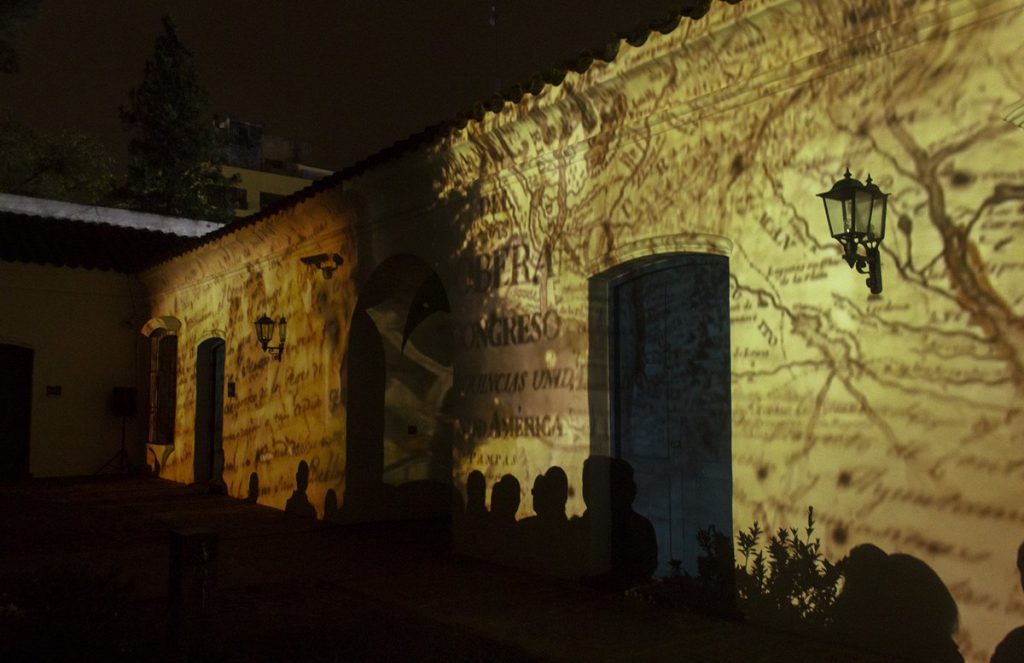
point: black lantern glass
(876, 204)
(856, 217)
(264, 330)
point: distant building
(268, 167)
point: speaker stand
(118, 463)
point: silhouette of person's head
(929, 609)
(254, 488)
(302, 477)
(330, 504)
(505, 498)
(861, 569)
(476, 490)
(298, 503)
(608, 484)
(556, 485)
(895, 604)
(629, 540)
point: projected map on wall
(897, 418)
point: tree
(174, 151)
(15, 15)
(66, 165)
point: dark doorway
(364, 461)
(668, 378)
(209, 410)
(15, 410)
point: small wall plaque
(53, 390)
(231, 389)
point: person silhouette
(618, 538)
(545, 537)
(895, 604)
(254, 489)
(502, 541)
(1011, 648)
(476, 492)
(331, 511)
(298, 504)
(473, 529)
(529, 528)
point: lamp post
(265, 331)
(856, 217)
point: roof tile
(71, 243)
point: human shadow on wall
(610, 546)
(298, 504)
(331, 511)
(894, 604)
(1011, 649)
(253, 496)
(545, 537)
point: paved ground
(289, 589)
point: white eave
(56, 209)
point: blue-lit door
(671, 398)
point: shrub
(785, 582)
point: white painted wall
(83, 326)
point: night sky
(350, 77)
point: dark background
(350, 77)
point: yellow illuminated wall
(282, 411)
(256, 182)
(899, 419)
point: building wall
(897, 419)
(257, 182)
(282, 411)
(82, 326)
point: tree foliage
(14, 16)
(65, 165)
(174, 147)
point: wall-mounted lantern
(856, 217)
(265, 332)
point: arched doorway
(15, 410)
(399, 374)
(660, 344)
(209, 422)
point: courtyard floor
(292, 589)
